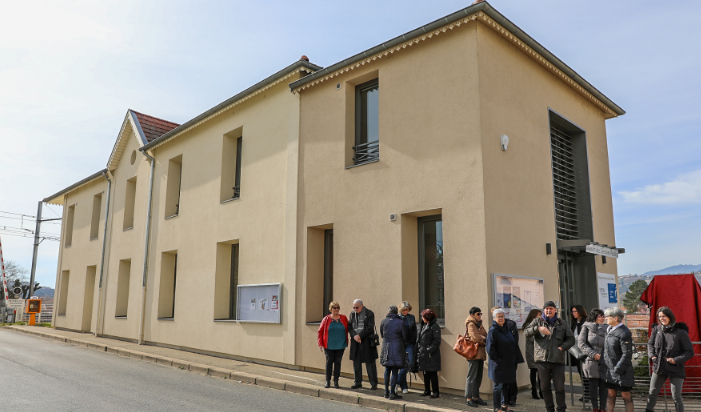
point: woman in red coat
(332, 338)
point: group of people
(405, 347)
(602, 348)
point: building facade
(435, 168)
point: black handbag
(375, 339)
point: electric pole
(36, 251)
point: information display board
(517, 295)
(259, 303)
(608, 293)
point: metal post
(36, 251)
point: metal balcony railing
(366, 152)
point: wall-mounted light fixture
(504, 142)
(548, 248)
(392, 217)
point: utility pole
(36, 251)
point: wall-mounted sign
(259, 303)
(601, 250)
(608, 292)
(16, 304)
(517, 295)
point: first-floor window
(431, 273)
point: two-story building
(460, 164)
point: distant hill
(672, 270)
(44, 292)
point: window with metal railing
(367, 121)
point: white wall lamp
(504, 142)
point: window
(95, 222)
(328, 270)
(129, 201)
(166, 294)
(63, 296)
(231, 166)
(431, 274)
(568, 149)
(70, 215)
(319, 282)
(367, 122)
(123, 279)
(88, 297)
(226, 280)
(175, 166)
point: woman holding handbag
(591, 342)
(476, 333)
(536, 393)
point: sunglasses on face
(356, 307)
(335, 307)
(478, 314)
(600, 316)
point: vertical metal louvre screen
(564, 185)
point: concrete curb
(352, 398)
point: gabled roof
(152, 127)
(478, 11)
(146, 129)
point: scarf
(551, 321)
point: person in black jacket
(504, 356)
(409, 344)
(669, 348)
(618, 355)
(578, 316)
(361, 326)
(513, 328)
(428, 352)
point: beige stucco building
(458, 165)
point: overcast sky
(70, 70)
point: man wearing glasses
(361, 328)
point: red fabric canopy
(682, 294)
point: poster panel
(608, 292)
(259, 303)
(517, 295)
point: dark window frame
(422, 263)
(233, 281)
(364, 151)
(328, 270)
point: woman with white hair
(504, 356)
(618, 355)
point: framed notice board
(517, 295)
(259, 303)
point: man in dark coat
(361, 326)
(552, 338)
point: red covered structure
(682, 294)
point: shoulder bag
(575, 351)
(465, 347)
(375, 339)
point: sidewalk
(301, 382)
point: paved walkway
(303, 382)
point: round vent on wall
(133, 156)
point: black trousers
(598, 393)
(552, 374)
(333, 362)
(513, 392)
(431, 380)
(535, 382)
(371, 368)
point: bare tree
(16, 275)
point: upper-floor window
(231, 166)
(68, 235)
(367, 122)
(175, 170)
(95, 221)
(129, 203)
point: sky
(70, 70)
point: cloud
(686, 188)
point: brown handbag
(465, 347)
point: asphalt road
(37, 374)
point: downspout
(102, 259)
(146, 241)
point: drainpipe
(102, 259)
(146, 241)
